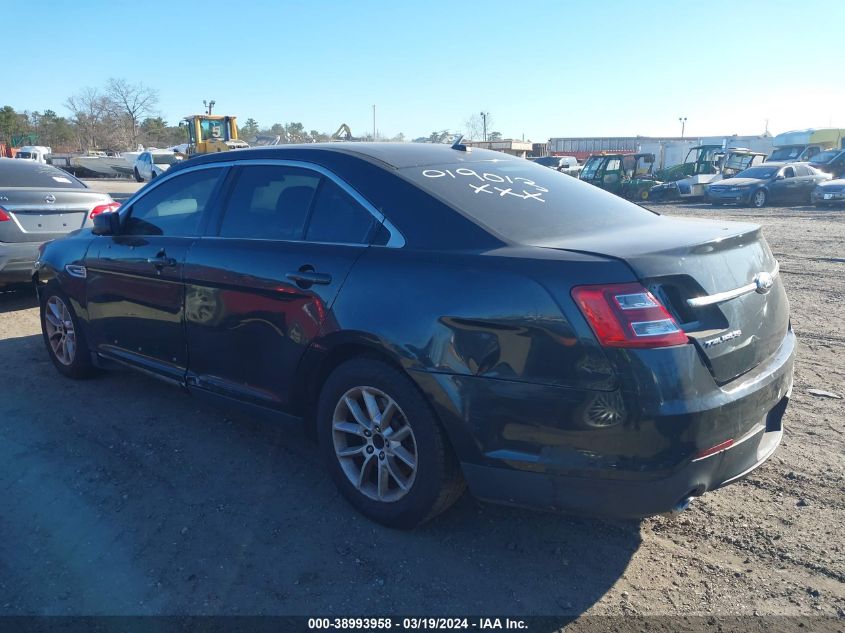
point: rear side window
(24, 173)
(338, 218)
(269, 202)
(175, 207)
(522, 202)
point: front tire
(384, 446)
(759, 199)
(66, 344)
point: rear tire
(66, 344)
(138, 176)
(384, 446)
(759, 199)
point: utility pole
(374, 123)
(484, 116)
(209, 106)
(683, 121)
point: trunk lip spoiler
(761, 284)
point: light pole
(374, 123)
(209, 105)
(683, 121)
(484, 116)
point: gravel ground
(122, 495)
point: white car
(148, 165)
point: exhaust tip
(678, 508)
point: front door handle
(162, 261)
(306, 278)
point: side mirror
(780, 177)
(106, 224)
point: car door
(142, 167)
(610, 176)
(260, 288)
(783, 188)
(135, 292)
(807, 179)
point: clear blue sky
(541, 68)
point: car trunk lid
(681, 260)
(37, 214)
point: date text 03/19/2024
(414, 624)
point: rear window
(524, 202)
(164, 159)
(24, 173)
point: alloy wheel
(60, 331)
(374, 444)
(759, 198)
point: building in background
(508, 146)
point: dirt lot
(122, 495)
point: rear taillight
(627, 315)
(104, 208)
(4, 216)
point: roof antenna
(460, 146)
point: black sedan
(38, 203)
(767, 183)
(439, 316)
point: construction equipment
(343, 133)
(627, 175)
(728, 163)
(701, 159)
(208, 133)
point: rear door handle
(305, 278)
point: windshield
(826, 156)
(591, 167)
(164, 159)
(787, 153)
(762, 173)
(212, 129)
(524, 202)
(25, 155)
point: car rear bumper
(837, 197)
(17, 261)
(629, 498)
(538, 446)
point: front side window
(269, 202)
(175, 207)
(338, 218)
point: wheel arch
(322, 358)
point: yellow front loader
(209, 133)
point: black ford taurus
(440, 316)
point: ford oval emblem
(764, 283)
(50, 198)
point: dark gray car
(39, 203)
(771, 182)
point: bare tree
(131, 102)
(91, 112)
